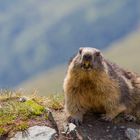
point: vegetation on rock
(16, 115)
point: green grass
(16, 115)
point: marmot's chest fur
(92, 92)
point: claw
(75, 121)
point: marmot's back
(129, 83)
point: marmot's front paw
(77, 121)
(106, 118)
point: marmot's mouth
(86, 66)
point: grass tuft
(54, 102)
(2, 131)
(22, 126)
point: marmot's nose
(87, 57)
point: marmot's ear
(80, 50)
(98, 53)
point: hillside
(47, 83)
(34, 33)
(125, 52)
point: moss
(35, 108)
(46, 117)
(6, 120)
(2, 131)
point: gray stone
(90, 125)
(109, 136)
(122, 127)
(23, 99)
(108, 127)
(107, 130)
(132, 134)
(69, 128)
(36, 133)
(115, 127)
(72, 127)
(51, 118)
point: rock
(69, 128)
(107, 130)
(51, 118)
(115, 127)
(71, 132)
(108, 127)
(72, 127)
(132, 134)
(90, 125)
(122, 127)
(23, 99)
(36, 133)
(109, 136)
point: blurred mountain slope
(125, 52)
(38, 35)
(50, 82)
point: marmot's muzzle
(87, 64)
(87, 61)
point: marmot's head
(89, 59)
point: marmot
(93, 82)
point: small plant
(55, 102)
(22, 126)
(2, 131)
(35, 108)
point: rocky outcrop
(95, 129)
(92, 128)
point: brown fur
(110, 91)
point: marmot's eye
(80, 50)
